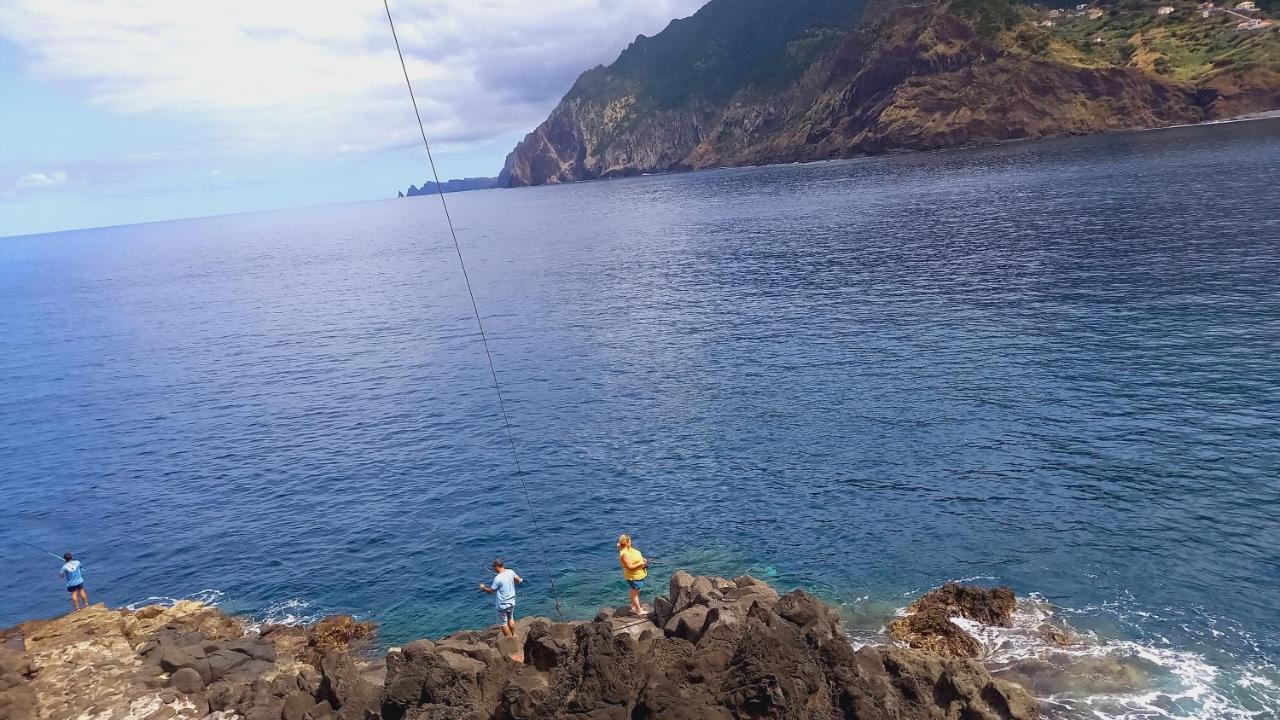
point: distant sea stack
(756, 81)
(449, 186)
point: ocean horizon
(1047, 364)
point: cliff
(742, 82)
(712, 649)
(450, 186)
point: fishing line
(459, 550)
(511, 440)
(33, 547)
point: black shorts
(75, 588)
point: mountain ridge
(737, 84)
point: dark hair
(66, 556)
(497, 562)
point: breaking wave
(1081, 674)
(209, 597)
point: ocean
(1054, 365)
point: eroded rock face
(904, 76)
(187, 661)
(715, 648)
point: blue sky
(123, 111)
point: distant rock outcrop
(450, 186)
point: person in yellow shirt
(634, 570)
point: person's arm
(519, 579)
(487, 589)
(627, 565)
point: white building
(1094, 13)
(1165, 10)
(1248, 5)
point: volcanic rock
(928, 625)
(728, 649)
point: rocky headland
(745, 82)
(711, 648)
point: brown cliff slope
(916, 76)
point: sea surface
(1054, 365)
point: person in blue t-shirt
(73, 573)
(504, 591)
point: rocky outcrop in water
(742, 83)
(712, 648)
(927, 623)
(451, 186)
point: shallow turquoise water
(1052, 365)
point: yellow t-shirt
(632, 556)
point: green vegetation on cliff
(757, 81)
(725, 47)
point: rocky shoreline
(711, 648)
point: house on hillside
(1248, 6)
(1094, 13)
(1081, 7)
(1055, 13)
(1165, 10)
(1254, 24)
(1045, 23)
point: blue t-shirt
(71, 571)
(504, 589)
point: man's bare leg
(74, 605)
(84, 597)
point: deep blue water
(1054, 365)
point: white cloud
(40, 180)
(302, 76)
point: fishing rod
(32, 546)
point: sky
(124, 111)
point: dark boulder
(343, 687)
(989, 606)
(187, 680)
(932, 630)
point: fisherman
(504, 590)
(74, 575)
(634, 570)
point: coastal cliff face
(739, 83)
(713, 648)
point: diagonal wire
(511, 440)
